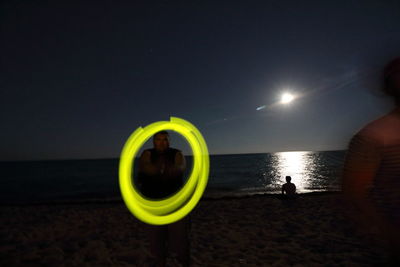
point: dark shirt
(160, 185)
(289, 189)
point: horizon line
(218, 154)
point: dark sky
(77, 79)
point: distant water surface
(238, 174)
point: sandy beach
(247, 231)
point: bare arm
(360, 168)
(146, 166)
(179, 166)
(180, 162)
(361, 164)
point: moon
(286, 98)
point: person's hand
(172, 171)
(160, 165)
(162, 168)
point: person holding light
(160, 174)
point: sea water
(230, 175)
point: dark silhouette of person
(160, 174)
(371, 174)
(289, 189)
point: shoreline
(120, 200)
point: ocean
(25, 182)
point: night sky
(77, 79)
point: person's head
(288, 179)
(391, 79)
(161, 141)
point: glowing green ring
(176, 207)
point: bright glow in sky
(250, 76)
(287, 98)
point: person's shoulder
(146, 152)
(371, 129)
(380, 129)
(365, 138)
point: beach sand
(248, 231)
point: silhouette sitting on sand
(289, 189)
(160, 174)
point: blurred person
(160, 174)
(371, 174)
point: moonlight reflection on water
(298, 165)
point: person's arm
(146, 166)
(283, 189)
(180, 162)
(361, 165)
(179, 166)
